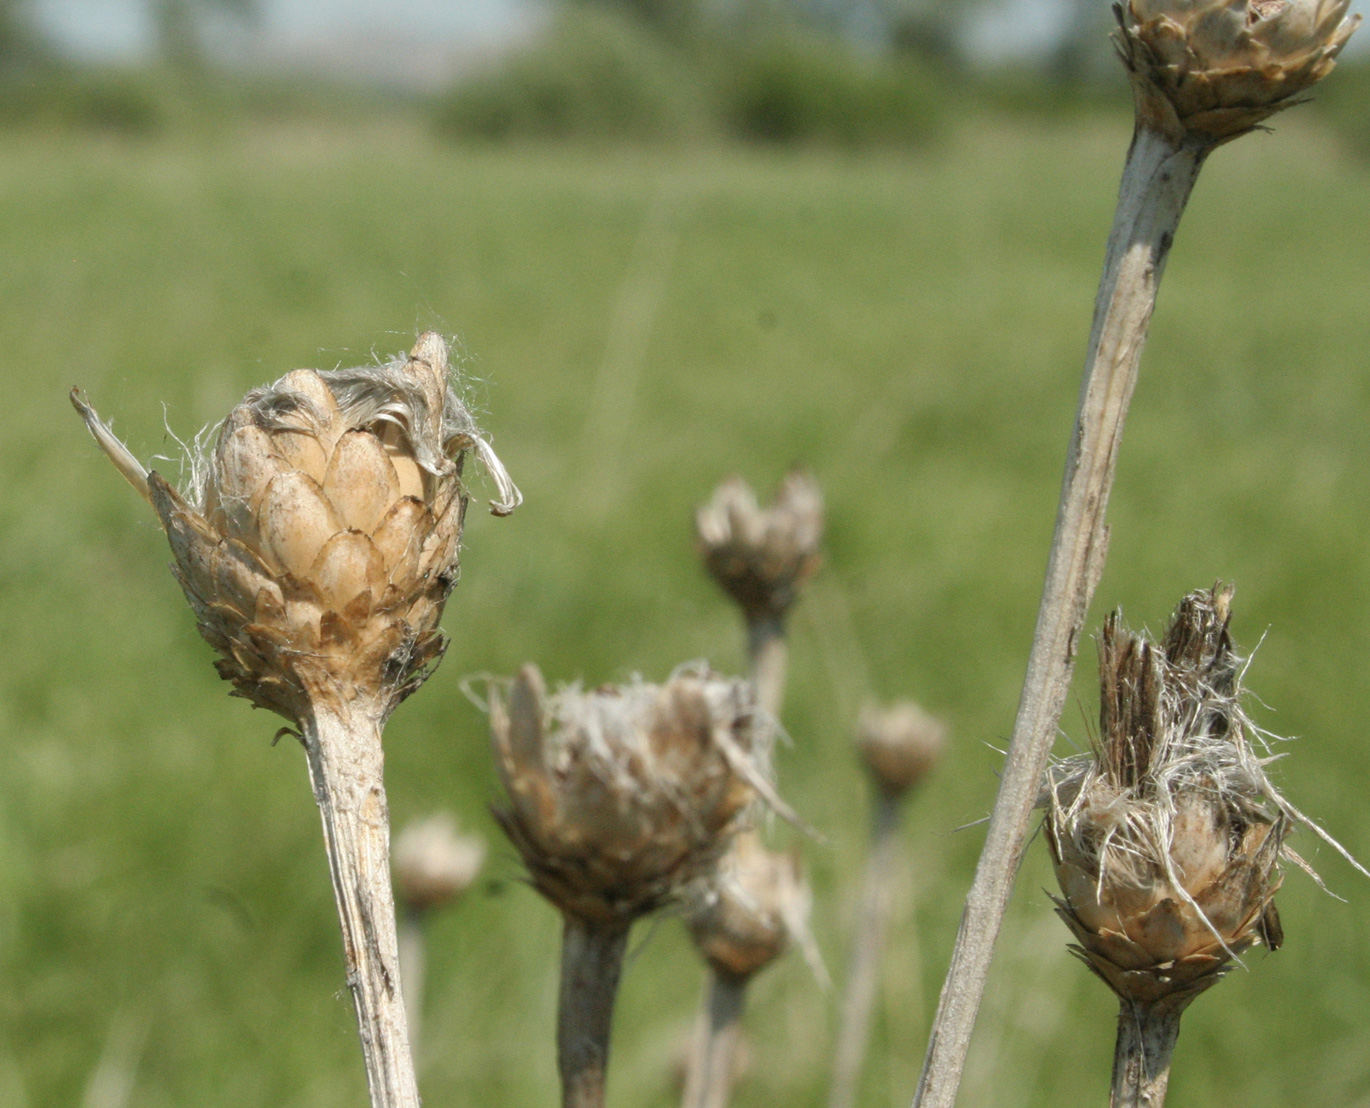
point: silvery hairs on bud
(762, 557)
(622, 796)
(1215, 69)
(318, 540)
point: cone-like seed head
(433, 863)
(1215, 69)
(318, 540)
(762, 556)
(900, 744)
(1166, 837)
(621, 798)
(756, 903)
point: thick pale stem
(413, 965)
(864, 974)
(709, 1082)
(591, 962)
(1156, 184)
(768, 651)
(1141, 1063)
(343, 747)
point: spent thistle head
(762, 557)
(318, 540)
(434, 863)
(1215, 69)
(621, 797)
(900, 744)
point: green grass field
(908, 327)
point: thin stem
(1141, 1063)
(343, 748)
(864, 974)
(713, 1062)
(413, 965)
(591, 962)
(768, 651)
(1156, 184)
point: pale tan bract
(900, 744)
(1215, 69)
(762, 556)
(623, 796)
(318, 542)
(434, 863)
(1166, 838)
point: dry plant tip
(900, 745)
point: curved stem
(863, 977)
(1157, 180)
(343, 749)
(591, 963)
(714, 1059)
(768, 652)
(1141, 1062)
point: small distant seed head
(900, 744)
(762, 557)
(622, 797)
(1215, 69)
(756, 903)
(433, 863)
(1166, 838)
(317, 542)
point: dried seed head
(1166, 837)
(762, 556)
(318, 541)
(621, 797)
(900, 744)
(1215, 69)
(756, 903)
(433, 863)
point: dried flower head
(318, 541)
(900, 744)
(757, 903)
(621, 797)
(434, 863)
(1215, 69)
(1167, 835)
(762, 556)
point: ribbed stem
(863, 976)
(709, 1082)
(1141, 1062)
(591, 963)
(768, 652)
(413, 965)
(343, 749)
(1157, 180)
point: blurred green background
(894, 292)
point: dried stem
(714, 1060)
(343, 746)
(768, 651)
(864, 974)
(413, 955)
(591, 962)
(1141, 1062)
(1157, 180)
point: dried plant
(762, 558)
(1204, 72)
(900, 745)
(433, 865)
(755, 906)
(317, 543)
(620, 800)
(1166, 837)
